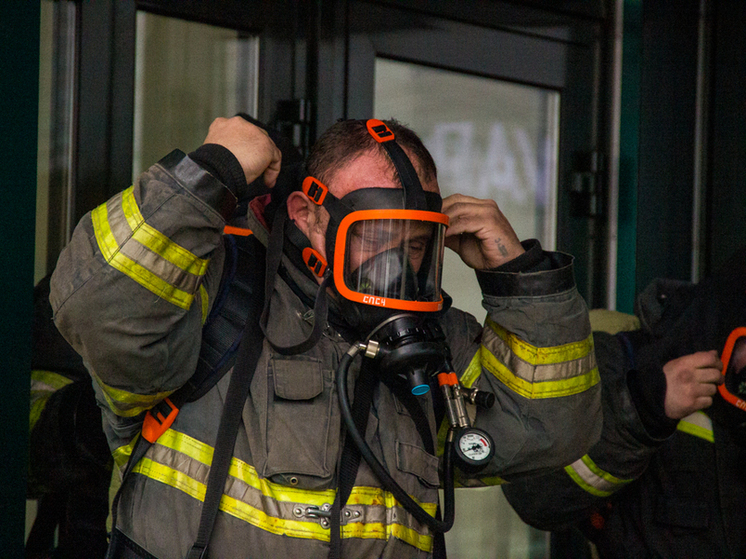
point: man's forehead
(370, 169)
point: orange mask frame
(730, 343)
(340, 251)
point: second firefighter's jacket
(661, 488)
(131, 292)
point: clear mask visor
(391, 258)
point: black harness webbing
(238, 390)
(350, 461)
(240, 297)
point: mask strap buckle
(314, 261)
(414, 195)
(315, 190)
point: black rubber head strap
(413, 193)
(321, 305)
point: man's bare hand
(479, 232)
(691, 382)
(252, 146)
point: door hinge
(293, 119)
(585, 184)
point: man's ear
(301, 213)
(311, 219)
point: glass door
(508, 95)
(186, 75)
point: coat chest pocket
(399, 433)
(303, 422)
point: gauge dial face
(474, 446)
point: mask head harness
(385, 244)
(384, 247)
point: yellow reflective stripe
(145, 254)
(542, 355)
(243, 472)
(204, 301)
(48, 380)
(373, 496)
(593, 479)
(697, 424)
(157, 241)
(128, 404)
(35, 410)
(111, 252)
(187, 445)
(172, 477)
(202, 452)
(279, 526)
(534, 372)
(409, 535)
(313, 530)
(122, 454)
(472, 372)
(230, 505)
(547, 389)
(43, 385)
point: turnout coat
(654, 487)
(131, 292)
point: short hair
(348, 139)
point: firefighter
(355, 240)
(666, 479)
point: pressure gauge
(474, 448)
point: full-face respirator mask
(385, 249)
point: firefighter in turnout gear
(667, 478)
(355, 237)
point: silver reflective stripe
(182, 462)
(538, 372)
(136, 249)
(593, 479)
(697, 424)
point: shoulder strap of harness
(240, 296)
(242, 283)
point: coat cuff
(220, 162)
(535, 272)
(195, 179)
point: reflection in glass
(490, 139)
(55, 144)
(186, 75)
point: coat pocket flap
(417, 461)
(297, 380)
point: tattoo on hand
(501, 247)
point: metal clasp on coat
(324, 513)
